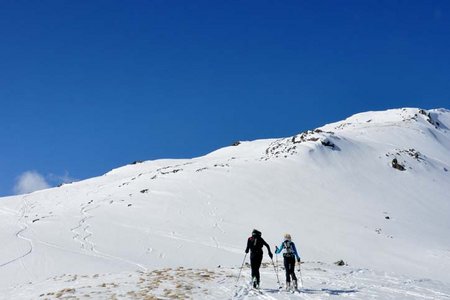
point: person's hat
(287, 236)
(256, 232)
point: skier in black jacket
(255, 244)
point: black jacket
(255, 245)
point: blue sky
(87, 86)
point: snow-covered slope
(333, 188)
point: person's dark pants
(289, 266)
(255, 262)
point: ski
(257, 291)
(254, 289)
(290, 291)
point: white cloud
(30, 181)
(61, 179)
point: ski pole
(239, 276)
(277, 261)
(278, 265)
(276, 272)
(300, 271)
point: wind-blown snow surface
(160, 226)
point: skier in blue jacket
(289, 254)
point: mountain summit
(372, 190)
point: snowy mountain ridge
(372, 190)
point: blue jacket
(282, 247)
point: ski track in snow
(24, 210)
(84, 236)
(81, 232)
(212, 213)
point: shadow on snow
(331, 292)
